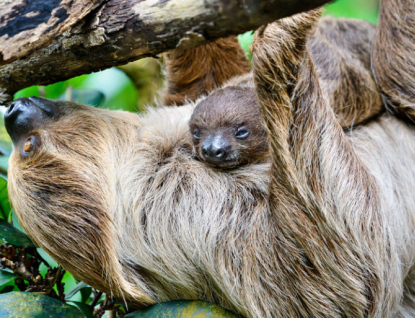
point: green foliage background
(112, 89)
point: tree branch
(118, 32)
(28, 25)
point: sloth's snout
(215, 149)
(26, 114)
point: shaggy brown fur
(340, 49)
(296, 110)
(185, 81)
(341, 52)
(227, 130)
(326, 231)
(394, 56)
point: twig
(97, 296)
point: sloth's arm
(191, 73)
(394, 56)
(324, 201)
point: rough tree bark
(29, 24)
(120, 31)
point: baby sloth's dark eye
(196, 133)
(241, 133)
(29, 145)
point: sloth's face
(230, 145)
(63, 153)
(54, 145)
(227, 129)
(60, 176)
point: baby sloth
(227, 128)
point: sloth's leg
(394, 56)
(326, 208)
(193, 72)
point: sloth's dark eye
(196, 133)
(29, 145)
(241, 133)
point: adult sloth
(121, 202)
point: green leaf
(84, 308)
(84, 96)
(86, 293)
(245, 41)
(5, 141)
(84, 289)
(4, 162)
(77, 81)
(16, 222)
(31, 305)
(365, 10)
(77, 288)
(53, 91)
(183, 309)
(8, 288)
(120, 92)
(27, 92)
(6, 277)
(4, 200)
(47, 258)
(13, 236)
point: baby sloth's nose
(215, 149)
(24, 115)
(213, 152)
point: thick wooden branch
(27, 25)
(120, 31)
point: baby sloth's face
(227, 130)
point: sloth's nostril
(10, 108)
(15, 105)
